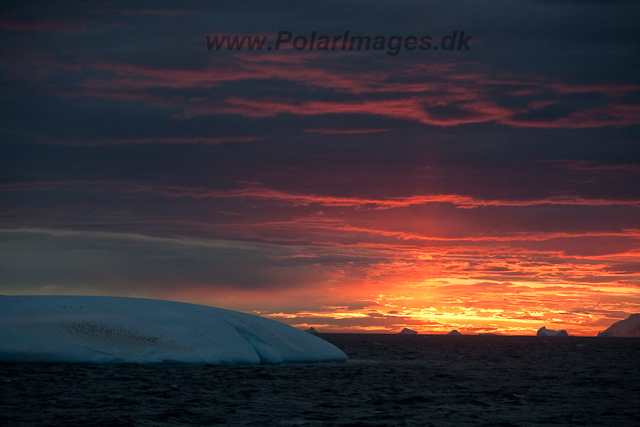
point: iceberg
(75, 329)
(629, 327)
(407, 331)
(544, 332)
(454, 332)
(311, 330)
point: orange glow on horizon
(437, 306)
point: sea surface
(389, 380)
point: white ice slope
(629, 327)
(131, 330)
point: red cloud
(389, 93)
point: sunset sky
(494, 189)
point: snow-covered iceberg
(629, 327)
(544, 332)
(131, 330)
(407, 331)
(454, 332)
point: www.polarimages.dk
(457, 40)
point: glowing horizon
(491, 189)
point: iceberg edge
(108, 330)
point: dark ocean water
(389, 380)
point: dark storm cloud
(116, 119)
(602, 3)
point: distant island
(407, 331)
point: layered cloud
(488, 190)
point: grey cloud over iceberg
(49, 261)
